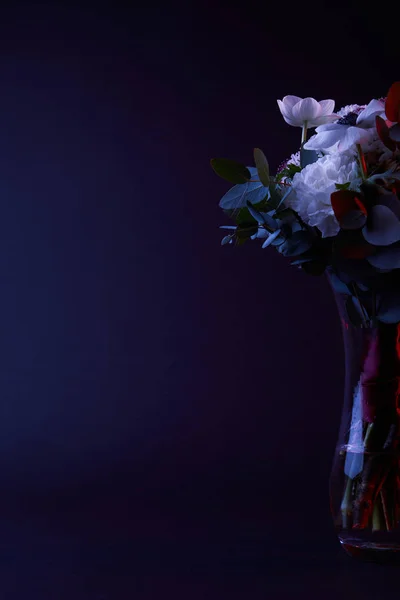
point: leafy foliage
(363, 259)
(349, 209)
(262, 166)
(238, 196)
(230, 170)
(289, 171)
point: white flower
(294, 159)
(313, 186)
(351, 129)
(299, 112)
(350, 108)
(366, 117)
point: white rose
(313, 186)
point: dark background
(169, 408)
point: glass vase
(364, 484)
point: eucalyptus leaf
(285, 213)
(227, 240)
(389, 307)
(289, 171)
(355, 312)
(391, 201)
(262, 166)
(246, 231)
(389, 175)
(238, 196)
(338, 285)
(255, 214)
(263, 218)
(244, 218)
(385, 258)
(271, 238)
(261, 234)
(394, 133)
(301, 261)
(297, 244)
(275, 195)
(232, 171)
(383, 227)
(281, 239)
(354, 219)
(284, 197)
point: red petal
(344, 201)
(383, 132)
(396, 188)
(392, 107)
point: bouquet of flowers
(334, 205)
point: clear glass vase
(364, 484)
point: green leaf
(285, 195)
(243, 218)
(239, 194)
(227, 239)
(355, 312)
(284, 213)
(230, 170)
(263, 206)
(289, 171)
(342, 186)
(262, 166)
(246, 231)
(256, 214)
(275, 196)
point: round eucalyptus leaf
(389, 307)
(394, 133)
(237, 197)
(271, 238)
(231, 170)
(297, 244)
(338, 285)
(354, 219)
(383, 227)
(262, 166)
(385, 258)
(355, 312)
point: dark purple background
(169, 408)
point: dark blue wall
(148, 375)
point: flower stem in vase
(378, 523)
(368, 434)
(371, 478)
(347, 505)
(397, 498)
(376, 469)
(383, 497)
